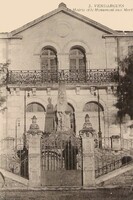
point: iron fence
(14, 158)
(57, 153)
(108, 161)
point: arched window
(77, 63)
(35, 107)
(92, 107)
(49, 63)
(96, 114)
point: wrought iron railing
(108, 168)
(127, 144)
(57, 153)
(110, 162)
(41, 77)
(15, 164)
(15, 159)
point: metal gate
(61, 160)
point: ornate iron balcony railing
(42, 78)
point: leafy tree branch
(125, 88)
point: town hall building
(62, 54)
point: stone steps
(118, 177)
(68, 194)
(10, 180)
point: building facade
(62, 45)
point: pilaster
(34, 160)
(88, 160)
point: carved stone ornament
(63, 29)
(34, 128)
(85, 133)
(87, 130)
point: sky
(16, 13)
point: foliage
(125, 88)
(2, 100)
(3, 79)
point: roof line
(34, 22)
(118, 35)
(90, 21)
(67, 11)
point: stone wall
(111, 52)
(62, 32)
(124, 42)
(15, 103)
(62, 178)
(9, 183)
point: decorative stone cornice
(34, 132)
(85, 133)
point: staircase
(110, 165)
(11, 180)
(13, 165)
(68, 194)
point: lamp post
(24, 134)
(17, 124)
(99, 122)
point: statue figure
(34, 125)
(63, 121)
(50, 117)
(62, 99)
(87, 126)
(34, 128)
(62, 113)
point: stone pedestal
(34, 142)
(131, 131)
(115, 143)
(88, 145)
(34, 160)
(88, 159)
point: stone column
(88, 146)
(34, 156)
(88, 161)
(34, 160)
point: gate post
(88, 156)
(34, 144)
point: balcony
(40, 78)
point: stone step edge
(14, 177)
(61, 188)
(114, 173)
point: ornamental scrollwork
(84, 77)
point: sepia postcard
(66, 100)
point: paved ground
(96, 194)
